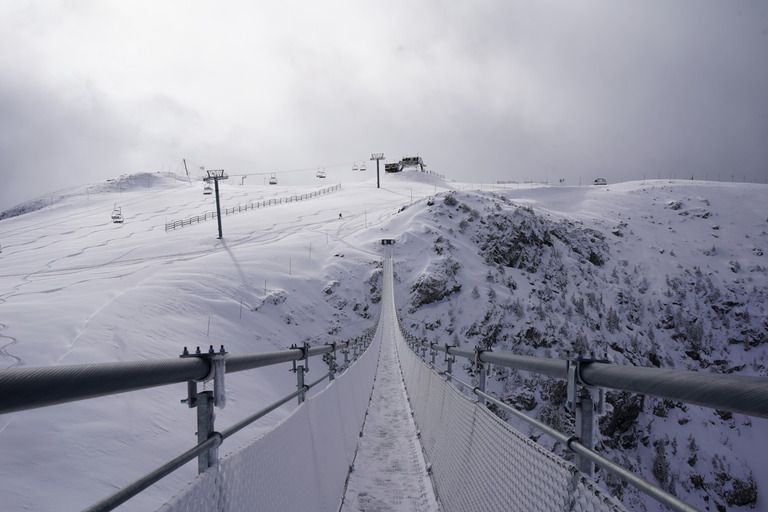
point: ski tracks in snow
(389, 470)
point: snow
(75, 288)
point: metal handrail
(29, 388)
(742, 394)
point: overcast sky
(482, 90)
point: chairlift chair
(362, 166)
(320, 173)
(273, 179)
(208, 189)
(354, 166)
(117, 215)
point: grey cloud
(487, 90)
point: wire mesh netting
(301, 464)
(480, 462)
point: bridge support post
(481, 379)
(300, 370)
(584, 431)
(331, 363)
(300, 382)
(449, 359)
(483, 376)
(579, 401)
(205, 418)
(206, 400)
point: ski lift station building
(408, 161)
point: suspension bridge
(391, 431)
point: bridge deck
(390, 471)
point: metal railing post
(449, 359)
(483, 375)
(300, 383)
(579, 401)
(481, 379)
(300, 370)
(205, 401)
(205, 418)
(584, 431)
(331, 359)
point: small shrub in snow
(660, 468)
(744, 492)
(612, 321)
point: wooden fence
(250, 206)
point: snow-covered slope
(653, 273)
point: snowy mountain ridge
(657, 273)
(662, 276)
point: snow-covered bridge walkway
(389, 470)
